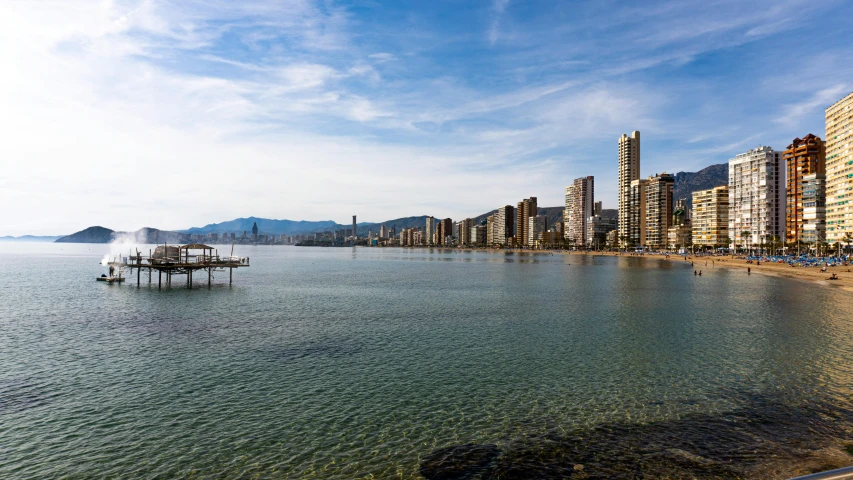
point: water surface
(394, 363)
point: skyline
(318, 111)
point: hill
(30, 238)
(143, 235)
(688, 182)
(89, 235)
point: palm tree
(774, 240)
(744, 235)
(848, 239)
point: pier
(175, 260)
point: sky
(174, 114)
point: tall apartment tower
(629, 171)
(711, 217)
(839, 170)
(445, 229)
(757, 196)
(597, 207)
(504, 224)
(525, 209)
(465, 231)
(579, 207)
(636, 214)
(658, 210)
(429, 230)
(354, 236)
(804, 157)
(536, 226)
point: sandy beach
(809, 274)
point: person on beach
(694, 272)
(748, 271)
(700, 273)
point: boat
(111, 279)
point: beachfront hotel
(658, 194)
(636, 217)
(839, 169)
(629, 171)
(805, 159)
(524, 210)
(429, 229)
(579, 207)
(711, 217)
(756, 197)
(537, 225)
(504, 224)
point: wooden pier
(175, 260)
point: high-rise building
(756, 196)
(597, 207)
(579, 200)
(383, 232)
(636, 218)
(839, 170)
(536, 226)
(429, 230)
(504, 224)
(490, 229)
(444, 229)
(658, 210)
(255, 231)
(478, 235)
(597, 228)
(804, 157)
(465, 231)
(814, 209)
(710, 222)
(526, 209)
(629, 171)
(354, 229)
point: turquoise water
(392, 363)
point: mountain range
(31, 238)
(688, 182)
(685, 184)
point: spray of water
(122, 245)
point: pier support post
(138, 276)
(190, 278)
(159, 279)
(230, 275)
(208, 277)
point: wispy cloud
(794, 113)
(497, 11)
(314, 100)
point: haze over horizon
(172, 115)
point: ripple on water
(20, 394)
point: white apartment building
(757, 196)
(579, 208)
(839, 170)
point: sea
(348, 363)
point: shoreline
(779, 270)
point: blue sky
(178, 114)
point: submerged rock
(468, 461)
